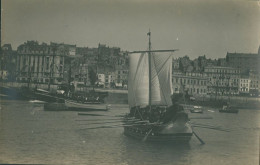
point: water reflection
(138, 152)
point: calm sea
(28, 134)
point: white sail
(138, 81)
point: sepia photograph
(130, 82)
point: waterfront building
(120, 77)
(101, 79)
(42, 63)
(90, 55)
(223, 80)
(3, 74)
(104, 80)
(108, 80)
(80, 74)
(194, 83)
(244, 85)
(7, 63)
(222, 62)
(254, 77)
(244, 61)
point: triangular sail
(138, 81)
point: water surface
(28, 134)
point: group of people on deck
(156, 113)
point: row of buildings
(62, 63)
(59, 63)
(238, 73)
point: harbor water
(28, 134)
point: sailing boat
(149, 98)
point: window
(47, 63)
(24, 62)
(61, 60)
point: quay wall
(53, 88)
(120, 96)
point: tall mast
(150, 73)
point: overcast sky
(195, 27)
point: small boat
(74, 105)
(36, 101)
(55, 107)
(157, 118)
(196, 109)
(59, 105)
(228, 109)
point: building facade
(244, 61)
(254, 78)
(42, 63)
(192, 82)
(244, 85)
(223, 80)
(7, 63)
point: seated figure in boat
(155, 114)
(173, 111)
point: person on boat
(172, 111)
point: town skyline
(195, 28)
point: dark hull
(228, 111)
(72, 105)
(196, 111)
(134, 132)
(55, 107)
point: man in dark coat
(171, 112)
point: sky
(195, 27)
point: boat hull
(158, 137)
(175, 132)
(55, 107)
(196, 111)
(72, 105)
(228, 111)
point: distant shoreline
(121, 96)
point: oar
(120, 125)
(146, 136)
(206, 125)
(98, 119)
(218, 129)
(130, 121)
(117, 119)
(91, 114)
(201, 118)
(201, 141)
(112, 126)
(102, 122)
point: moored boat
(228, 109)
(196, 109)
(149, 98)
(74, 105)
(55, 107)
